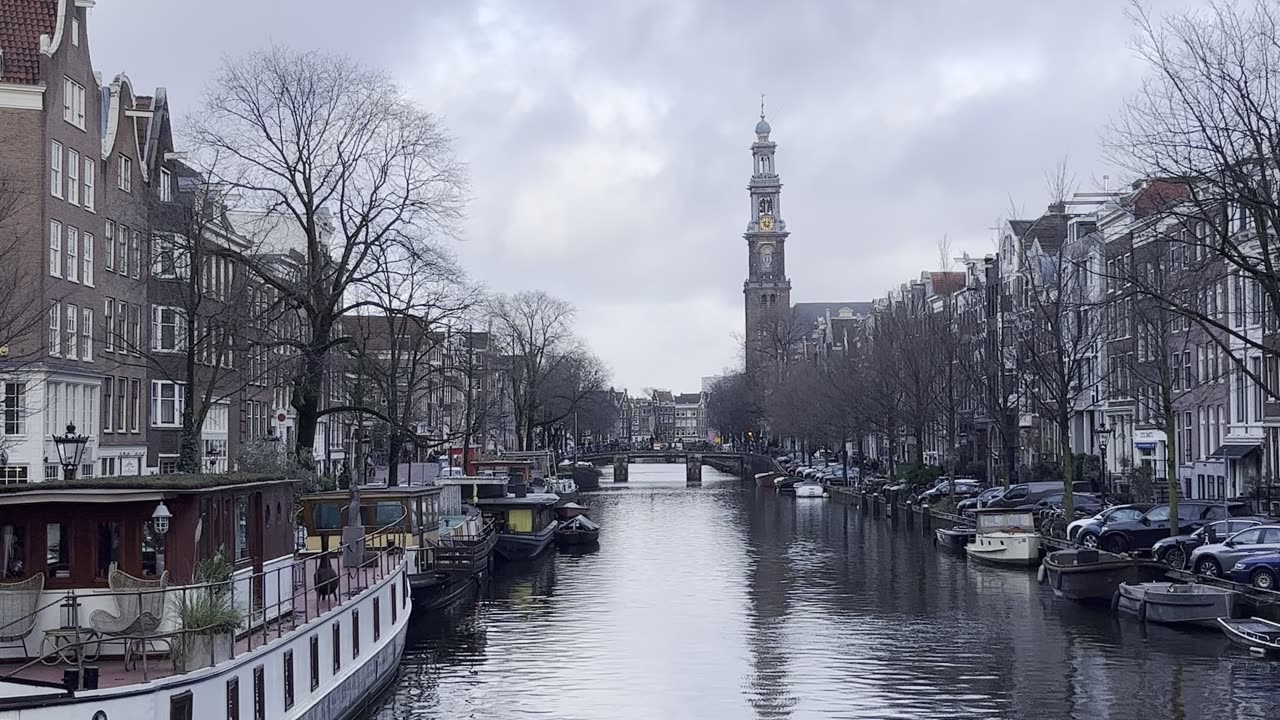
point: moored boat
(767, 479)
(953, 539)
(129, 646)
(526, 524)
(1177, 603)
(787, 483)
(810, 489)
(1093, 575)
(1258, 635)
(578, 531)
(571, 510)
(1005, 537)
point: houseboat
(448, 548)
(526, 523)
(111, 586)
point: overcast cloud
(608, 139)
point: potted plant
(208, 616)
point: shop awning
(1235, 451)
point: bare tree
(22, 316)
(735, 408)
(362, 177)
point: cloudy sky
(608, 139)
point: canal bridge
(743, 465)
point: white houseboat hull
(1008, 549)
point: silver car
(1212, 560)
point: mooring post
(693, 468)
(619, 468)
(926, 518)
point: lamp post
(1103, 433)
(70, 447)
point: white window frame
(90, 202)
(131, 408)
(166, 185)
(73, 177)
(72, 336)
(135, 249)
(20, 423)
(55, 328)
(108, 315)
(158, 400)
(71, 271)
(109, 262)
(86, 334)
(73, 102)
(55, 169)
(75, 32)
(124, 172)
(176, 322)
(55, 248)
(86, 259)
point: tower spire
(761, 106)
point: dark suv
(1142, 533)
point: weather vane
(761, 106)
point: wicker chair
(142, 608)
(18, 603)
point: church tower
(767, 291)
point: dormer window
(75, 32)
(124, 179)
(73, 102)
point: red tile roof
(21, 24)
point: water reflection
(729, 601)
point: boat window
(180, 706)
(1246, 537)
(377, 618)
(383, 514)
(241, 528)
(259, 694)
(13, 550)
(233, 699)
(288, 679)
(315, 662)
(990, 522)
(355, 633)
(152, 550)
(55, 552)
(1158, 514)
(108, 548)
(326, 516)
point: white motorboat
(1005, 537)
(810, 488)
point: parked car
(1080, 502)
(1212, 559)
(1028, 494)
(1175, 550)
(1260, 571)
(964, 489)
(1145, 531)
(981, 499)
(1085, 530)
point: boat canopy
(1006, 520)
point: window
(13, 551)
(1246, 537)
(180, 706)
(166, 185)
(55, 248)
(166, 405)
(86, 334)
(86, 260)
(75, 32)
(122, 317)
(135, 387)
(55, 169)
(392, 604)
(124, 171)
(377, 618)
(355, 633)
(73, 102)
(168, 329)
(107, 386)
(108, 549)
(73, 255)
(259, 695)
(15, 408)
(1158, 514)
(233, 699)
(108, 337)
(135, 328)
(288, 679)
(122, 254)
(89, 201)
(73, 177)
(242, 528)
(168, 258)
(314, 643)
(56, 560)
(337, 646)
(135, 250)
(73, 313)
(109, 262)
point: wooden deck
(268, 625)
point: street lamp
(70, 447)
(1103, 433)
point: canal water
(729, 601)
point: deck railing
(262, 622)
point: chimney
(1057, 208)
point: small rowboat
(578, 531)
(1261, 637)
(766, 479)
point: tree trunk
(394, 446)
(1068, 467)
(306, 402)
(1171, 465)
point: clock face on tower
(766, 223)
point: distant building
(690, 417)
